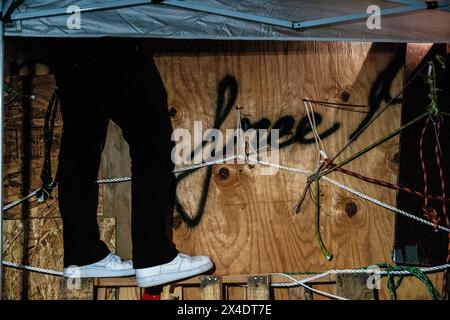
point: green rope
(375, 144)
(432, 111)
(12, 93)
(394, 281)
(393, 284)
(430, 79)
(318, 235)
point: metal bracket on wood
(354, 286)
(211, 287)
(258, 288)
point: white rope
(113, 180)
(128, 179)
(312, 122)
(239, 138)
(34, 269)
(281, 167)
(385, 205)
(179, 170)
(323, 293)
(17, 202)
(355, 271)
(206, 164)
(294, 282)
(358, 194)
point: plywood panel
(116, 163)
(247, 223)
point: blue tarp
(162, 21)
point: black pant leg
(85, 124)
(140, 110)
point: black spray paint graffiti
(381, 89)
(226, 99)
(228, 87)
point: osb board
(45, 251)
(24, 143)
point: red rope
(444, 210)
(385, 184)
(430, 212)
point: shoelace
(115, 260)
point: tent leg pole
(1, 154)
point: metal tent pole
(357, 16)
(410, 6)
(108, 5)
(1, 156)
(9, 6)
(132, 3)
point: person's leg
(141, 112)
(84, 129)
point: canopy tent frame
(1, 150)
(409, 6)
(9, 13)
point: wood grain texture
(85, 291)
(171, 292)
(258, 288)
(300, 293)
(106, 293)
(116, 163)
(248, 225)
(130, 294)
(354, 287)
(211, 288)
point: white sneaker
(183, 266)
(111, 266)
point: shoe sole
(151, 281)
(100, 273)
